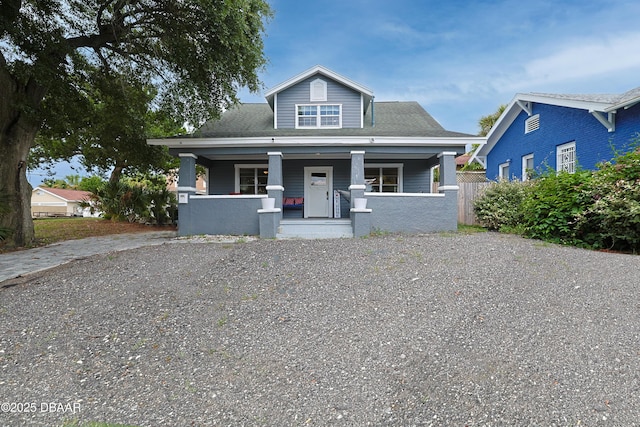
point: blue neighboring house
(306, 161)
(538, 131)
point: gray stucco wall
(414, 213)
(235, 215)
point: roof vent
(532, 123)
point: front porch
(263, 214)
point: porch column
(275, 188)
(357, 186)
(186, 187)
(448, 180)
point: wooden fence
(472, 185)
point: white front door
(318, 191)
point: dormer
(319, 99)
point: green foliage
(550, 210)
(90, 183)
(599, 209)
(500, 207)
(612, 220)
(138, 199)
(486, 122)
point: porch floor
(314, 228)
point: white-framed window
(318, 90)
(319, 116)
(527, 166)
(383, 177)
(503, 170)
(251, 179)
(566, 157)
(532, 123)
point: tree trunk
(17, 133)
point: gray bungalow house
(319, 159)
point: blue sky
(459, 59)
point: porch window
(383, 178)
(566, 157)
(251, 179)
(318, 116)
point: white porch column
(275, 189)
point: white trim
(609, 122)
(357, 187)
(188, 155)
(236, 172)
(274, 210)
(274, 187)
(318, 116)
(318, 95)
(526, 157)
(448, 187)
(566, 146)
(532, 124)
(321, 70)
(297, 141)
(447, 153)
(228, 196)
(367, 194)
(500, 170)
(357, 152)
(308, 171)
(362, 210)
(274, 153)
(184, 189)
(275, 111)
(398, 166)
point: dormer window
(319, 116)
(318, 90)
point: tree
(196, 53)
(111, 131)
(486, 122)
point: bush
(612, 219)
(551, 209)
(500, 207)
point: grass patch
(470, 229)
(52, 230)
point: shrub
(613, 217)
(500, 207)
(551, 209)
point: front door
(318, 191)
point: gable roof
(66, 194)
(593, 103)
(394, 119)
(319, 69)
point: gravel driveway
(477, 330)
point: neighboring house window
(566, 157)
(532, 123)
(318, 116)
(383, 178)
(527, 166)
(503, 171)
(318, 90)
(251, 179)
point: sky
(459, 59)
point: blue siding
(336, 94)
(560, 125)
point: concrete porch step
(315, 228)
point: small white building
(46, 202)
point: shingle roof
(402, 119)
(68, 195)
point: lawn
(51, 230)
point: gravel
(443, 329)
